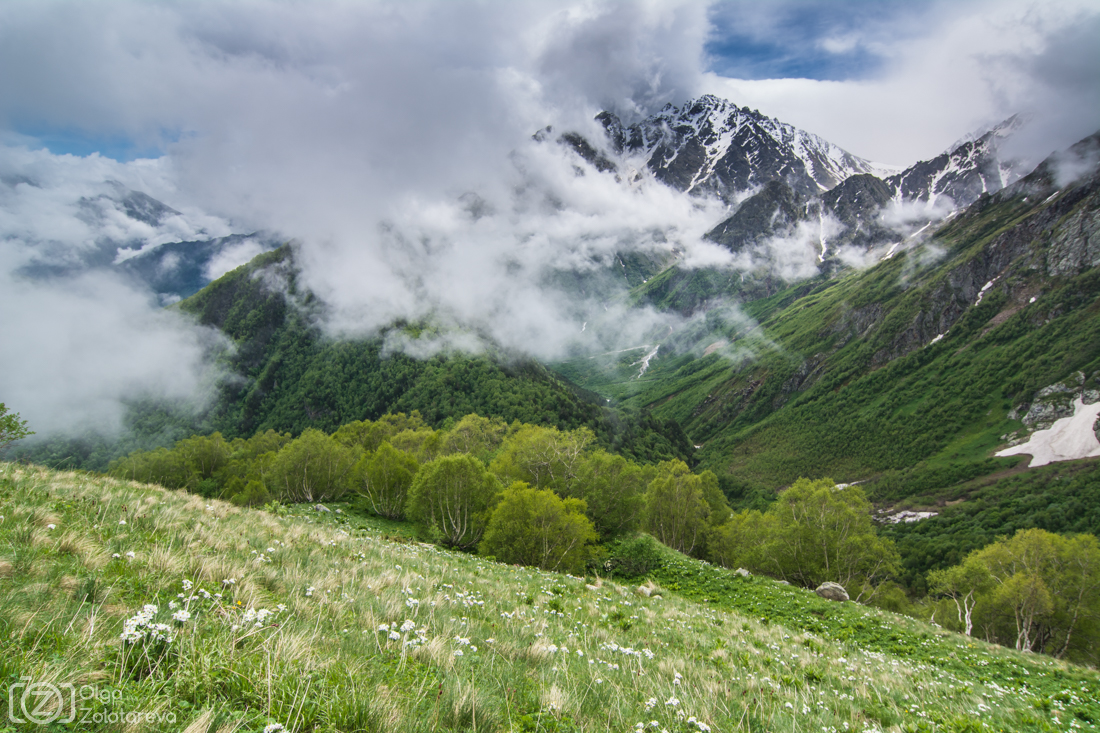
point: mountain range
(904, 355)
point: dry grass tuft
(200, 724)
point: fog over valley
(148, 148)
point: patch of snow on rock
(907, 517)
(1067, 439)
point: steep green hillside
(166, 611)
(1063, 498)
(292, 377)
(910, 371)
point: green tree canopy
(676, 510)
(543, 457)
(815, 532)
(11, 427)
(823, 532)
(1041, 592)
(368, 435)
(613, 489)
(452, 496)
(312, 467)
(383, 478)
(537, 527)
(962, 584)
(478, 436)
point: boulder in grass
(742, 572)
(832, 591)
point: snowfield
(1066, 440)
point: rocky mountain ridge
(710, 146)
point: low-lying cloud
(79, 340)
(393, 143)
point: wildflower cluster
(141, 627)
(257, 618)
(394, 632)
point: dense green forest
(1062, 498)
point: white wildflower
(181, 616)
(51, 526)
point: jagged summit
(712, 146)
(972, 166)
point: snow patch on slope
(1066, 440)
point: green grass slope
(315, 622)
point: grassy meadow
(158, 610)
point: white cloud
(365, 130)
(972, 64)
(75, 351)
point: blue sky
(75, 141)
(827, 41)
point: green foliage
(383, 479)
(815, 532)
(452, 496)
(633, 556)
(477, 436)
(613, 489)
(1036, 590)
(1062, 498)
(546, 458)
(368, 435)
(11, 427)
(312, 467)
(536, 527)
(676, 509)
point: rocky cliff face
(1059, 236)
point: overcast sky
(361, 129)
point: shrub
(634, 556)
(537, 527)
